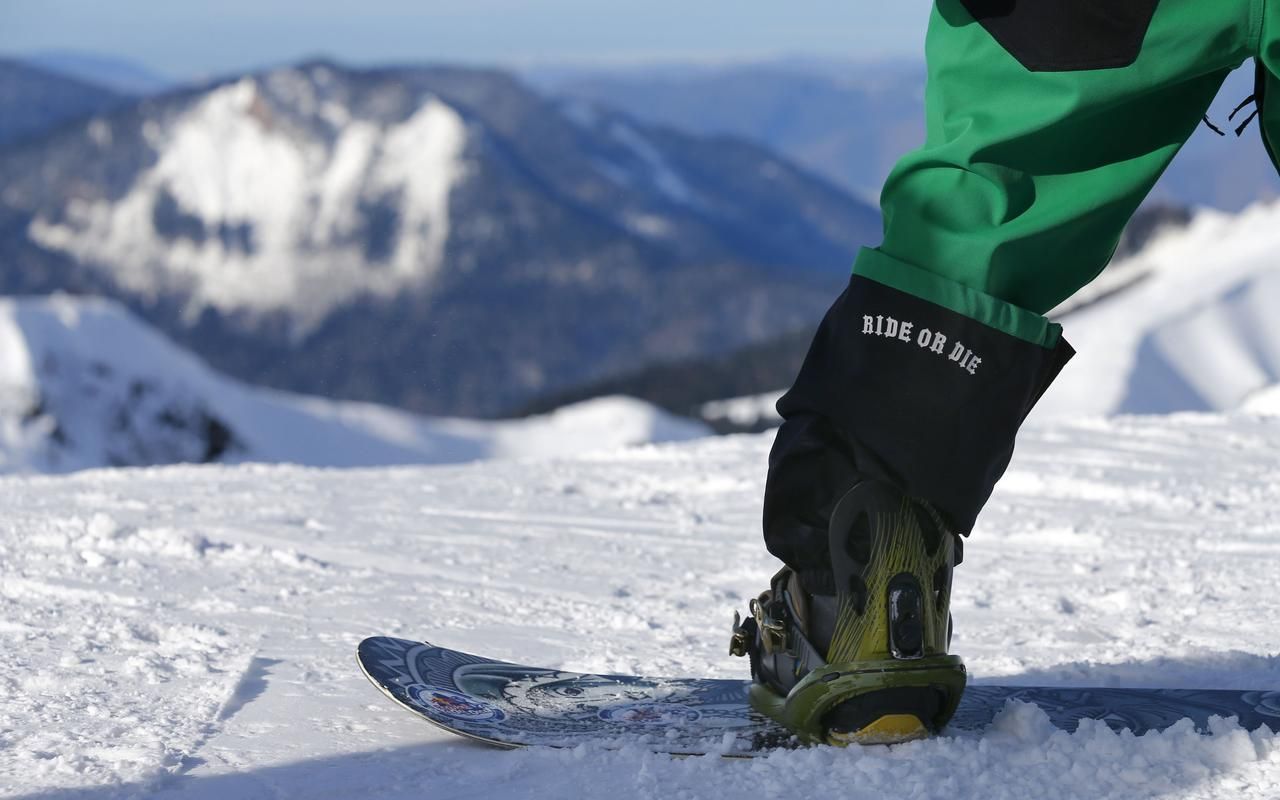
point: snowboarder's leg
(1048, 123)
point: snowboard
(509, 705)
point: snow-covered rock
(289, 209)
(83, 383)
(1198, 330)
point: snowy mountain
(34, 101)
(189, 632)
(493, 244)
(850, 120)
(85, 384)
(118, 74)
(1188, 325)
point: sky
(185, 39)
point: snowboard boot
(865, 660)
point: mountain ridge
(852, 120)
(660, 244)
(34, 100)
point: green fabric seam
(990, 311)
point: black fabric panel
(1067, 35)
(927, 419)
(1260, 97)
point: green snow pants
(1048, 122)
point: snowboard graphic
(514, 706)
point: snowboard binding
(866, 663)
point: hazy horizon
(183, 42)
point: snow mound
(758, 410)
(84, 383)
(1266, 401)
(1198, 332)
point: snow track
(190, 631)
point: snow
(271, 211)
(758, 409)
(663, 176)
(189, 632)
(1265, 401)
(651, 226)
(428, 147)
(656, 169)
(84, 383)
(1197, 331)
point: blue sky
(190, 38)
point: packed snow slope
(189, 632)
(84, 383)
(1190, 324)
